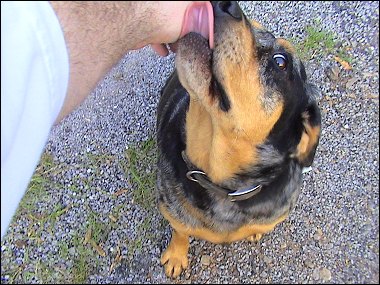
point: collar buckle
(202, 179)
(244, 194)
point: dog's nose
(224, 8)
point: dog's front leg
(174, 257)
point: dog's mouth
(194, 50)
(199, 18)
(211, 45)
(197, 45)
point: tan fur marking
(219, 237)
(287, 45)
(303, 145)
(257, 25)
(199, 134)
(308, 139)
(227, 140)
(216, 138)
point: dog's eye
(280, 60)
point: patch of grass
(99, 230)
(46, 274)
(317, 41)
(81, 264)
(317, 37)
(36, 191)
(63, 250)
(96, 160)
(117, 211)
(37, 272)
(136, 244)
(85, 259)
(41, 220)
(140, 166)
(75, 188)
(141, 161)
(80, 271)
(46, 162)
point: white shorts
(34, 78)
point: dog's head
(249, 90)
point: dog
(235, 127)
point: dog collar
(202, 179)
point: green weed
(141, 161)
(319, 42)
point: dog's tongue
(199, 18)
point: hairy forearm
(97, 35)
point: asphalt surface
(332, 236)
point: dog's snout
(224, 8)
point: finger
(160, 49)
(173, 47)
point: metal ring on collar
(191, 172)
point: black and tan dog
(236, 125)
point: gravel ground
(332, 236)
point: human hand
(105, 31)
(179, 18)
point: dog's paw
(174, 262)
(254, 237)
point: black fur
(279, 175)
(277, 170)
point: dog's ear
(307, 146)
